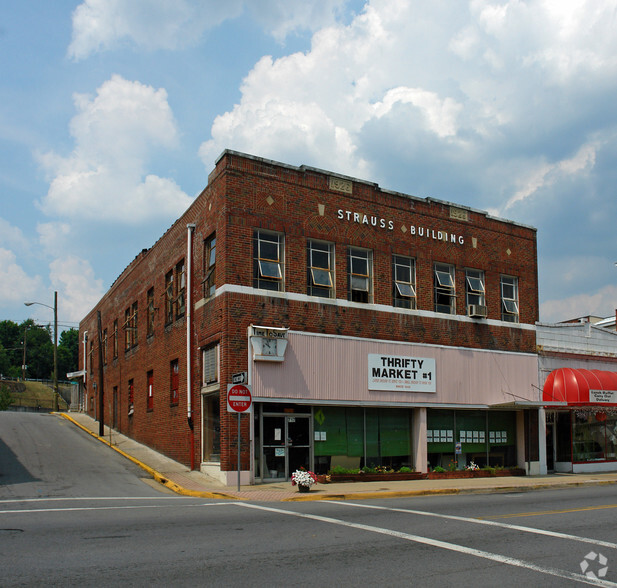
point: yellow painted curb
(158, 477)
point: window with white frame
(360, 274)
(181, 292)
(209, 266)
(509, 299)
(445, 291)
(268, 260)
(404, 282)
(474, 287)
(210, 365)
(320, 268)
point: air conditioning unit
(477, 310)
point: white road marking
(93, 508)
(555, 534)
(67, 499)
(440, 544)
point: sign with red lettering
(239, 398)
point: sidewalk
(182, 480)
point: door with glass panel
(286, 445)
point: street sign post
(239, 400)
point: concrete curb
(158, 477)
(315, 496)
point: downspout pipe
(190, 228)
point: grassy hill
(36, 394)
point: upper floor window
(404, 282)
(104, 346)
(268, 260)
(127, 329)
(210, 365)
(320, 268)
(181, 292)
(115, 338)
(475, 292)
(169, 297)
(509, 299)
(209, 266)
(150, 311)
(360, 274)
(130, 327)
(445, 291)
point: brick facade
(245, 193)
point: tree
(68, 353)
(5, 397)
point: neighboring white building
(577, 371)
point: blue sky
(112, 113)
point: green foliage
(341, 470)
(5, 398)
(439, 469)
(405, 470)
(39, 350)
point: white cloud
(601, 303)
(548, 174)
(115, 133)
(78, 289)
(13, 237)
(100, 25)
(54, 238)
(15, 284)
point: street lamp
(55, 309)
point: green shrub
(439, 469)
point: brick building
(375, 328)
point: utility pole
(56, 394)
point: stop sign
(238, 398)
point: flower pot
(302, 488)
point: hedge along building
(374, 328)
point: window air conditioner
(477, 310)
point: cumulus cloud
(15, 284)
(104, 178)
(600, 303)
(501, 105)
(100, 25)
(12, 237)
(75, 279)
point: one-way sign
(239, 378)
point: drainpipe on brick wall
(189, 330)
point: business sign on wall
(603, 396)
(401, 373)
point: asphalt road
(113, 529)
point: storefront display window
(484, 438)
(594, 436)
(356, 437)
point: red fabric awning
(573, 385)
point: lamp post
(55, 309)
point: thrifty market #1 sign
(401, 373)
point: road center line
(555, 534)
(440, 544)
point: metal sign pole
(238, 452)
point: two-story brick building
(375, 328)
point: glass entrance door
(286, 445)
